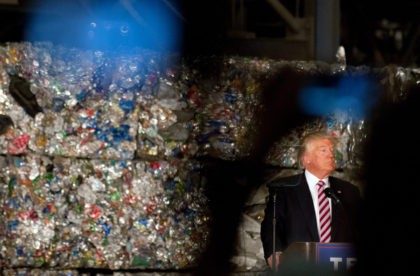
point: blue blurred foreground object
(353, 94)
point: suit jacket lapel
(336, 216)
(304, 198)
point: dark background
(373, 32)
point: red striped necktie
(324, 214)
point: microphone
(329, 193)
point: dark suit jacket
(295, 214)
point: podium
(335, 257)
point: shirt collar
(313, 180)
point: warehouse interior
(138, 105)
(372, 32)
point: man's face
(319, 158)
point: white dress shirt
(312, 180)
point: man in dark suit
(295, 199)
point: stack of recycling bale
(101, 153)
